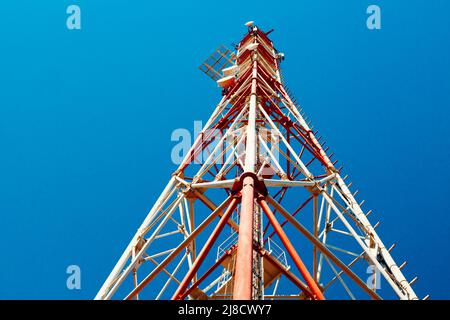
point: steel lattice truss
(256, 151)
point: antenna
(220, 59)
(250, 23)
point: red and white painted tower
(257, 208)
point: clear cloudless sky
(86, 118)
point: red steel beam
(207, 273)
(244, 258)
(324, 249)
(291, 250)
(282, 191)
(289, 275)
(293, 214)
(217, 211)
(202, 255)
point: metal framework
(259, 188)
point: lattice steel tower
(256, 191)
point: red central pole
(244, 257)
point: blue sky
(86, 117)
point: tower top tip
(249, 23)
